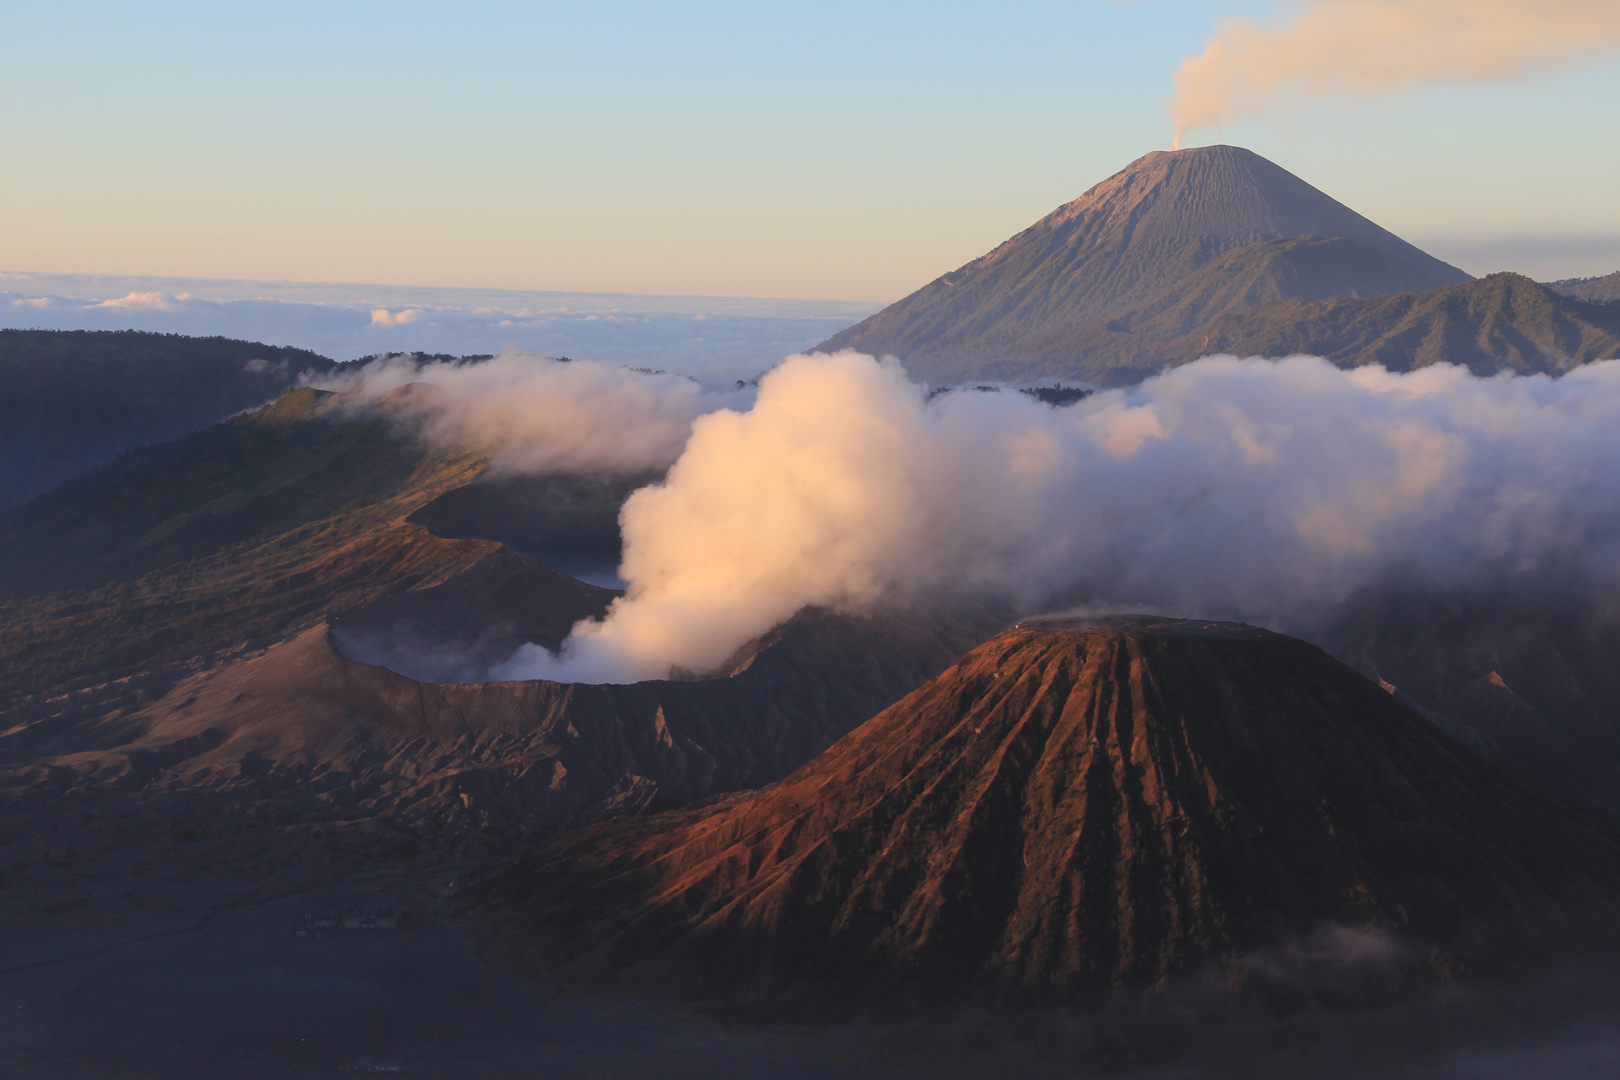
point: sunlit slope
(1082, 808)
(238, 532)
(1599, 290)
(72, 400)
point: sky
(835, 151)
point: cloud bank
(532, 414)
(717, 339)
(1340, 47)
(1246, 489)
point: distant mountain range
(1213, 250)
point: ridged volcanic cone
(1078, 807)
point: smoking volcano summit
(1138, 240)
(1080, 807)
(1186, 253)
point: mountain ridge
(1504, 322)
(1596, 290)
(1126, 240)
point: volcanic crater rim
(1149, 625)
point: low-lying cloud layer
(1346, 47)
(717, 339)
(533, 414)
(1228, 488)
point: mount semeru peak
(1080, 808)
(1132, 242)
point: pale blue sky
(849, 151)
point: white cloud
(146, 301)
(385, 318)
(533, 414)
(1351, 47)
(1249, 489)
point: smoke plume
(533, 414)
(1334, 47)
(1229, 488)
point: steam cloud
(1246, 489)
(533, 414)
(1361, 46)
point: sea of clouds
(716, 339)
(1265, 491)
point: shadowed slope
(1130, 238)
(1523, 673)
(250, 529)
(1504, 322)
(300, 732)
(1077, 806)
(73, 399)
(187, 671)
(1300, 267)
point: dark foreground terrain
(230, 990)
(211, 982)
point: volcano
(1076, 808)
(1136, 241)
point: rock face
(1074, 808)
(1132, 242)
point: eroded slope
(1076, 808)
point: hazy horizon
(715, 339)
